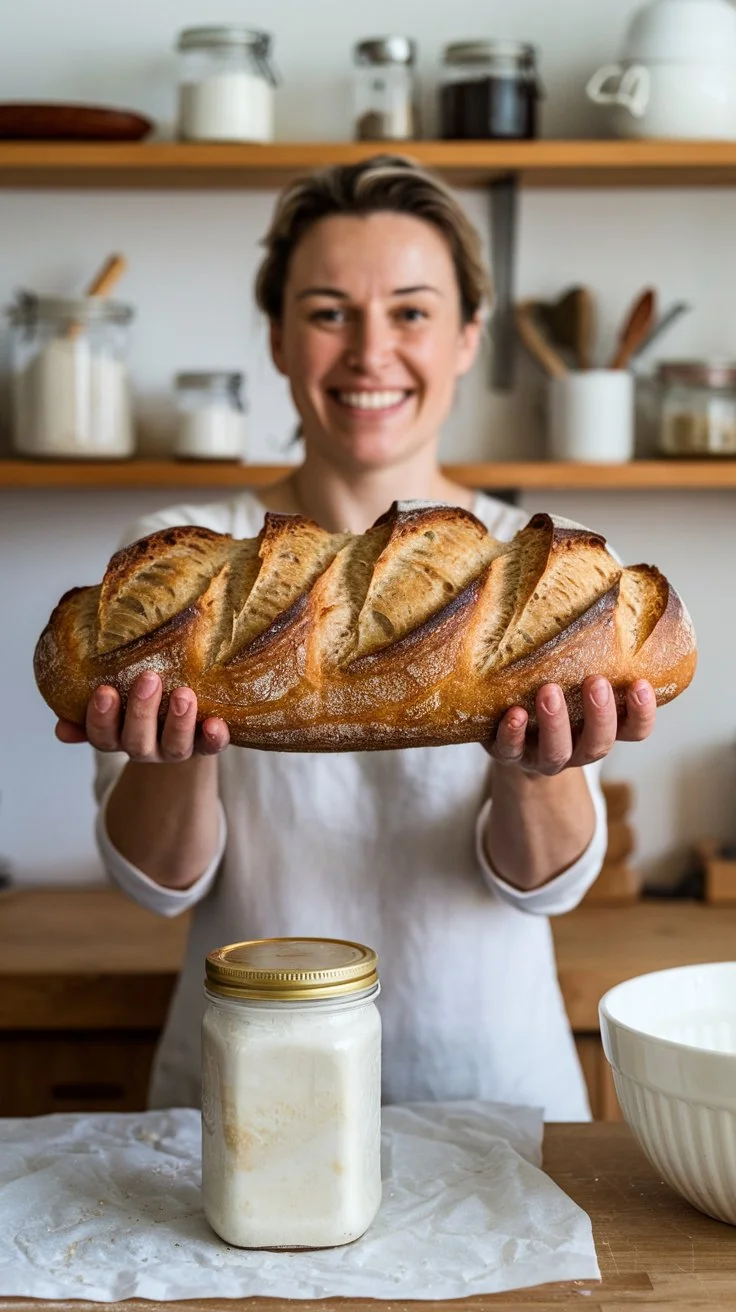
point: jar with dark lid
(490, 91)
(697, 407)
(385, 100)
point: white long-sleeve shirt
(384, 848)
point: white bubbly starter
(236, 106)
(72, 401)
(291, 1122)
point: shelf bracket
(503, 219)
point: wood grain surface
(654, 1250)
(633, 475)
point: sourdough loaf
(422, 631)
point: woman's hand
(555, 747)
(137, 733)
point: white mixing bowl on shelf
(670, 1038)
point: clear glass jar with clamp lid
(226, 87)
(291, 1093)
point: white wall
(192, 258)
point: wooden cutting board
(654, 1250)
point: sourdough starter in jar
(291, 1093)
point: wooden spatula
(569, 321)
(636, 327)
(536, 342)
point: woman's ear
(469, 341)
(276, 339)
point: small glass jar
(70, 392)
(291, 1093)
(210, 416)
(490, 91)
(226, 86)
(385, 95)
(697, 408)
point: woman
(373, 286)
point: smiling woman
(373, 284)
(448, 860)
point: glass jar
(490, 91)
(226, 86)
(70, 393)
(385, 98)
(697, 408)
(291, 1093)
(210, 416)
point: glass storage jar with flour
(210, 420)
(226, 88)
(70, 388)
(291, 1093)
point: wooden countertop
(654, 1250)
(66, 952)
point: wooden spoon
(105, 279)
(636, 328)
(535, 341)
(102, 284)
(569, 322)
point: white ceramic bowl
(670, 1038)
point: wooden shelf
(171, 164)
(639, 474)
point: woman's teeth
(370, 400)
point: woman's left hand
(555, 747)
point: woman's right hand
(137, 731)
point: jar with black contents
(490, 91)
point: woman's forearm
(538, 824)
(164, 818)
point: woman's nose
(371, 344)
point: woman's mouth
(371, 404)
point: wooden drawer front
(598, 1077)
(58, 1072)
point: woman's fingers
(641, 712)
(509, 745)
(554, 747)
(139, 733)
(69, 732)
(180, 725)
(103, 719)
(600, 722)
(213, 737)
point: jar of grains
(697, 407)
(291, 1093)
(385, 101)
(226, 88)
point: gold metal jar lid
(291, 969)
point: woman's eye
(412, 314)
(328, 316)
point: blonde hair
(381, 183)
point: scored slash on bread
(422, 631)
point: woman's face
(371, 337)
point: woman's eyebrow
(422, 287)
(343, 296)
(322, 291)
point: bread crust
(363, 656)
